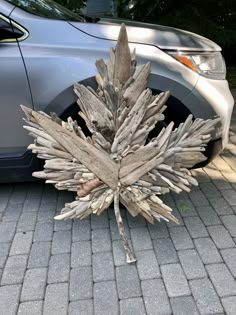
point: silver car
(45, 49)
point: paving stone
(115, 232)
(99, 222)
(132, 306)
(6, 190)
(45, 216)
(30, 308)
(136, 222)
(141, 239)
(207, 250)
(230, 223)
(175, 280)
(105, 298)
(103, 267)
(101, 240)
(59, 268)
(158, 230)
(195, 227)
(208, 215)
(21, 243)
(81, 283)
(205, 297)
(4, 249)
(155, 297)
(221, 206)
(229, 304)
(9, 299)
(31, 205)
(127, 282)
(147, 265)
(177, 215)
(12, 212)
(81, 230)
(14, 270)
(192, 264)
(230, 196)
(19, 193)
(56, 299)
(26, 222)
(61, 242)
(165, 251)
(39, 254)
(43, 232)
(229, 256)
(7, 231)
(198, 198)
(34, 284)
(184, 305)
(3, 202)
(81, 307)
(81, 254)
(186, 208)
(62, 225)
(210, 190)
(118, 253)
(222, 279)
(221, 236)
(181, 238)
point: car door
(14, 89)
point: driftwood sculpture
(118, 162)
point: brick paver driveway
(49, 267)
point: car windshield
(48, 9)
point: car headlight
(210, 64)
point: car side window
(9, 32)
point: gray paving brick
(81, 230)
(30, 308)
(136, 222)
(47, 206)
(155, 297)
(221, 236)
(45, 216)
(99, 222)
(177, 215)
(39, 254)
(141, 239)
(229, 256)
(81, 283)
(230, 223)
(115, 232)
(186, 208)
(101, 240)
(132, 306)
(222, 279)
(12, 212)
(118, 253)
(26, 222)
(181, 238)
(43, 232)
(19, 193)
(34, 284)
(175, 280)
(59, 268)
(229, 304)
(103, 267)
(198, 198)
(21, 243)
(62, 225)
(105, 298)
(205, 297)
(195, 227)
(56, 299)
(165, 251)
(221, 206)
(192, 264)
(31, 204)
(158, 230)
(7, 231)
(230, 196)
(184, 305)
(3, 202)
(61, 242)
(6, 190)
(207, 250)
(4, 249)
(81, 307)
(14, 270)
(208, 215)
(81, 254)
(9, 299)
(210, 190)
(147, 265)
(127, 282)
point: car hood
(143, 33)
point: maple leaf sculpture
(118, 162)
